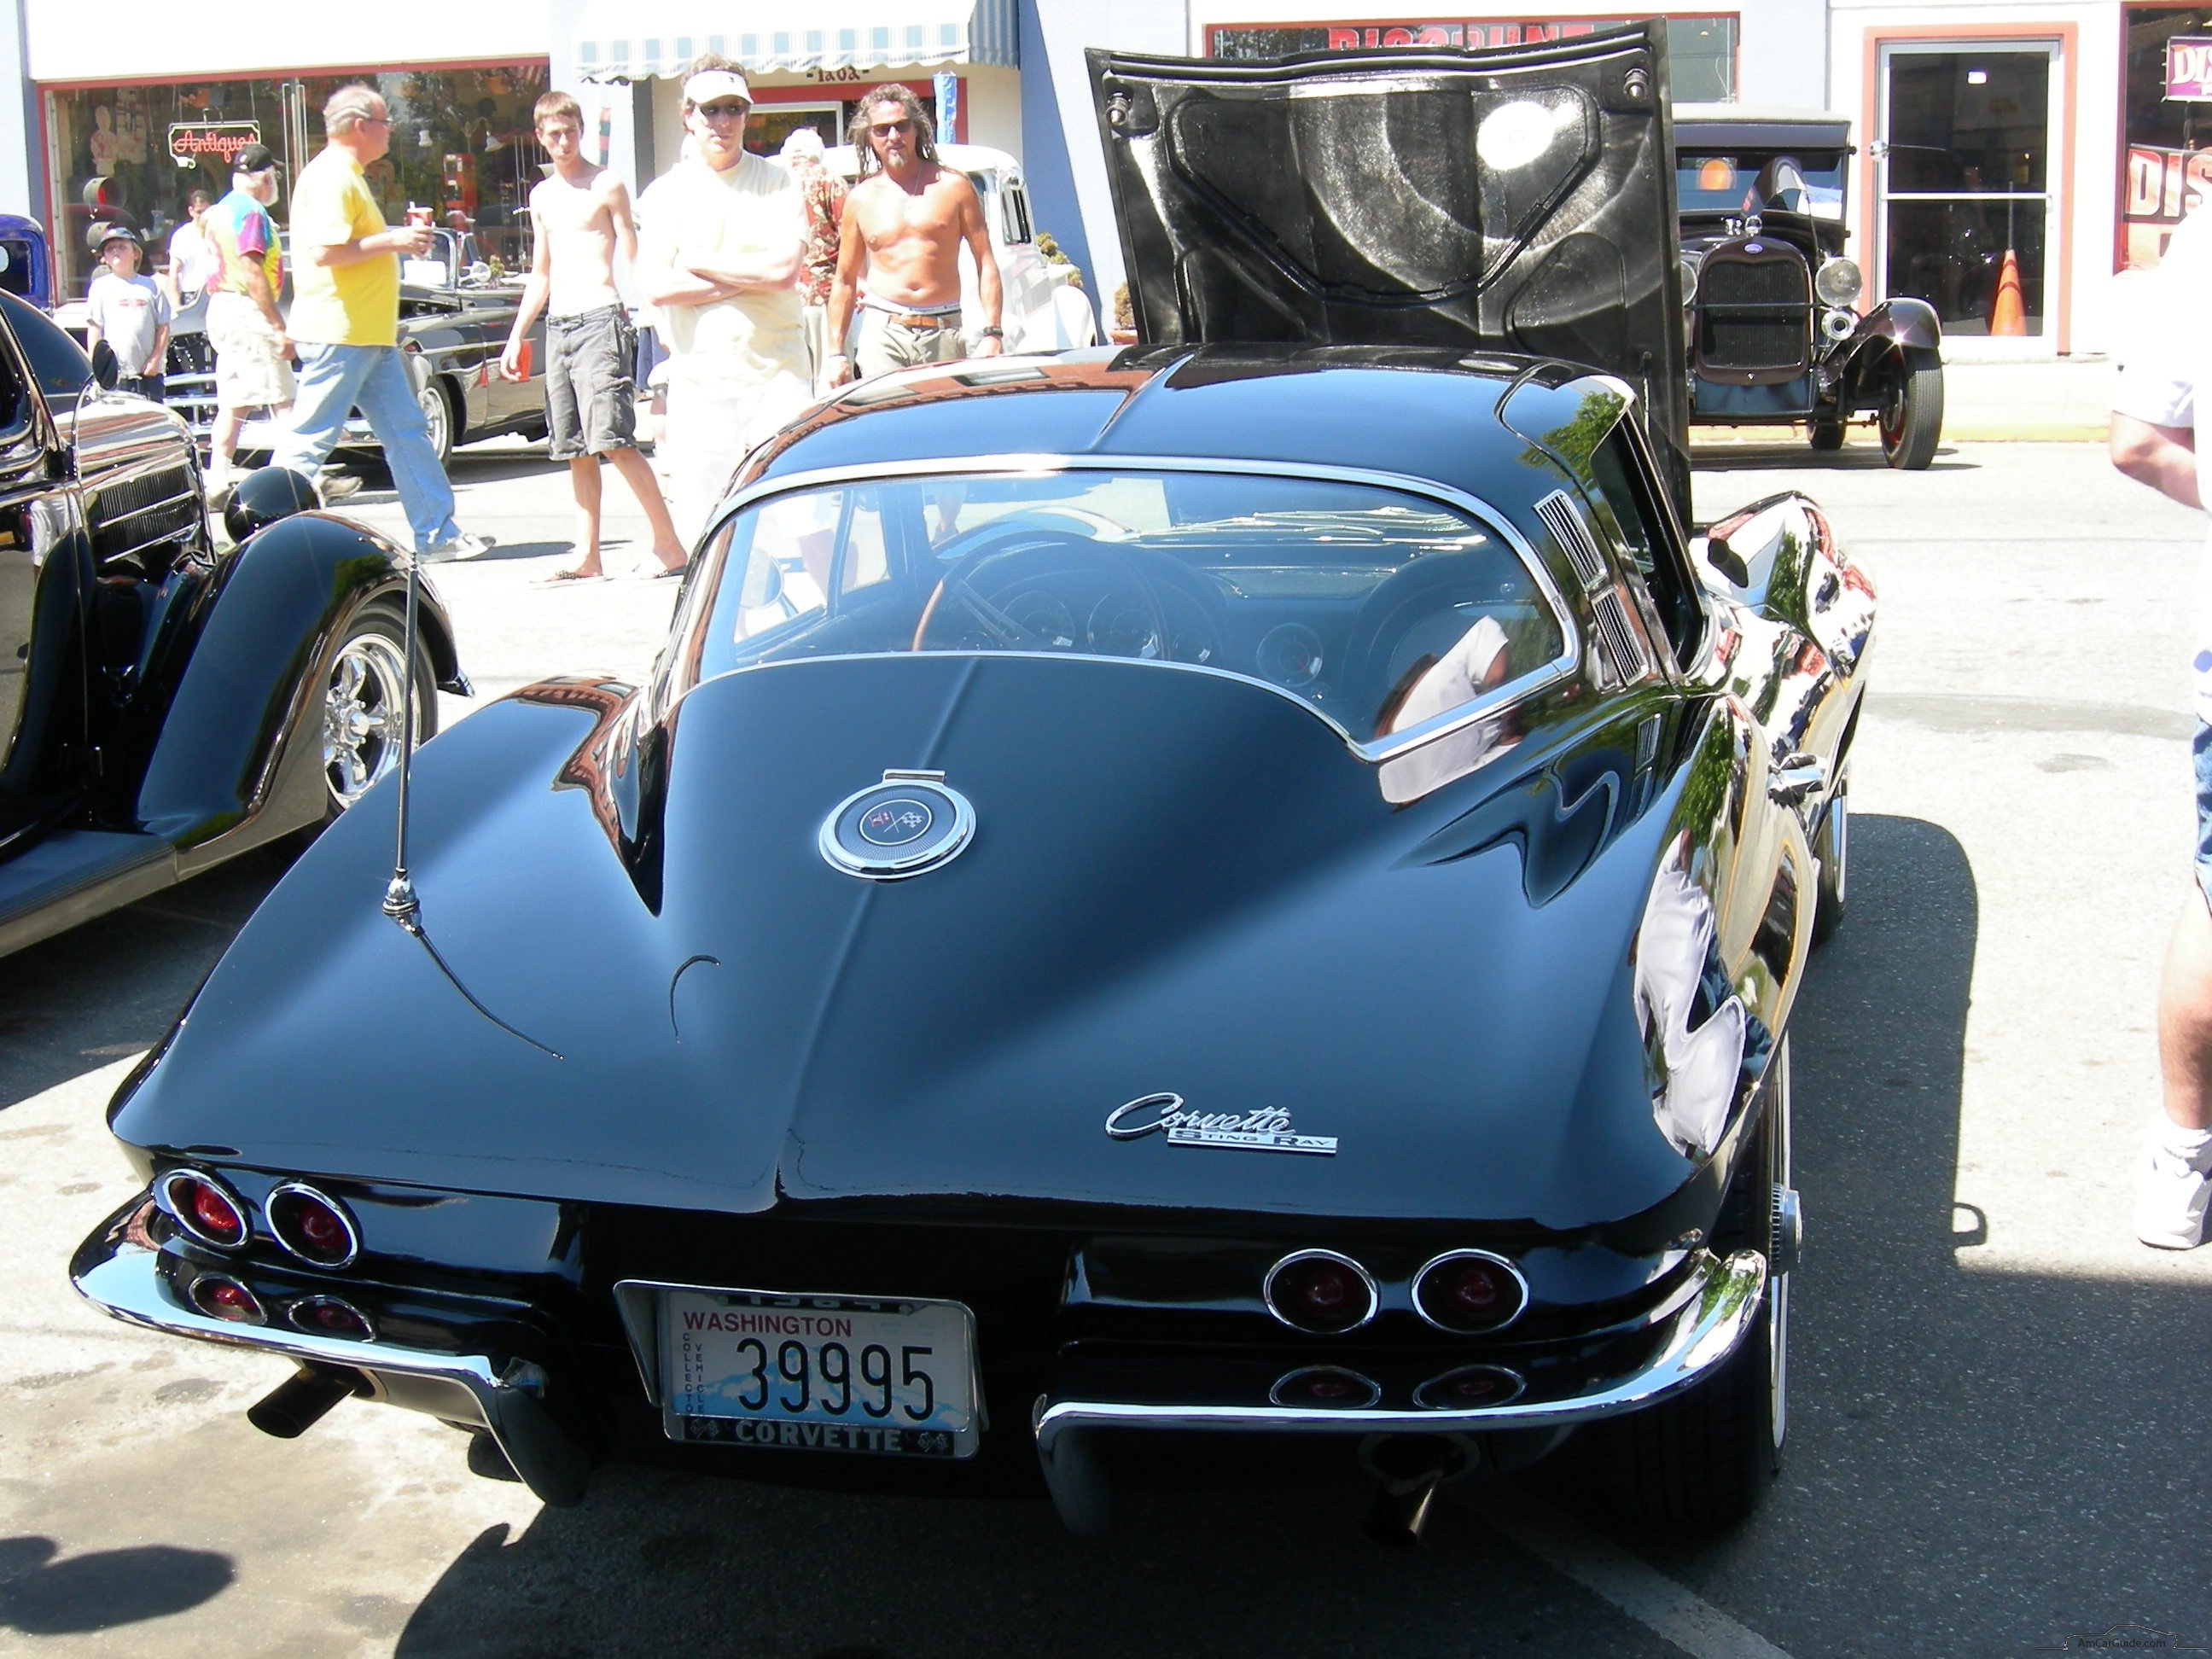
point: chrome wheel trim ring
(364, 716)
(437, 415)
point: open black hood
(1519, 200)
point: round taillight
(1470, 1292)
(325, 1315)
(312, 1226)
(1468, 1388)
(227, 1300)
(204, 1207)
(1320, 1292)
(1329, 1388)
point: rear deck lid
(1520, 199)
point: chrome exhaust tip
(1407, 1470)
(300, 1401)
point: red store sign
(1467, 32)
(212, 141)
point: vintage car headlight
(1689, 278)
(1838, 281)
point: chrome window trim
(1374, 1292)
(1562, 666)
(1520, 1283)
(177, 1213)
(345, 1220)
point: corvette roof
(1423, 412)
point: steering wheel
(1023, 589)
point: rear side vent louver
(1559, 516)
(1617, 638)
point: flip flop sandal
(566, 578)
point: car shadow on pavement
(40, 1595)
(1789, 455)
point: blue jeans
(335, 380)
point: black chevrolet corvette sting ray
(1253, 883)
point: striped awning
(636, 39)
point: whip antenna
(399, 900)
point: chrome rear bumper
(1711, 1314)
(124, 1273)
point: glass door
(1966, 216)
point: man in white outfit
(719, 240)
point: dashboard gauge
(1291, 656)
(1122, 628)
(1044, 616)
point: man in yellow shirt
(345, 324)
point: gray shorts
(591, 396)
(888, 342)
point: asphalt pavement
(1996, 1408)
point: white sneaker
(2173, 1185)
(463, 546)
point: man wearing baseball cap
(252, 354)
(720, 240)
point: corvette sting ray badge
(1267, 1129)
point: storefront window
(1966, 156)
(2167, 111)
(1700, 50)
(462, 146)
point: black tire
(441, 417)
(1912, 414)
(1705, 1458)
(362, 702)
(1826, 434)
(1832, 846)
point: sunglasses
(888, 129)
(723, 112)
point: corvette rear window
(1385, 610)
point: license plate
(819, 1373)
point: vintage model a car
(164, 704)
(1770, 296)
(1254, 883)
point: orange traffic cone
(2008, 316)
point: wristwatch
(993, 332)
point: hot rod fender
(238, 758)
(1903, 319)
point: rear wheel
(1912, 414)
(1706, 1457)
(363, 703)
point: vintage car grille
(1754, 311)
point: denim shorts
(2200, 751)
(590, 399)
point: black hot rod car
(1253, 883)
(166, 702)
(1768, 295)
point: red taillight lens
(1320, 1291)
(328, 1316)
(1470, 1292)
(312, 1227)
(1326, 1387)
(1468, 1388)
(227, 1299)
(205, 1209)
